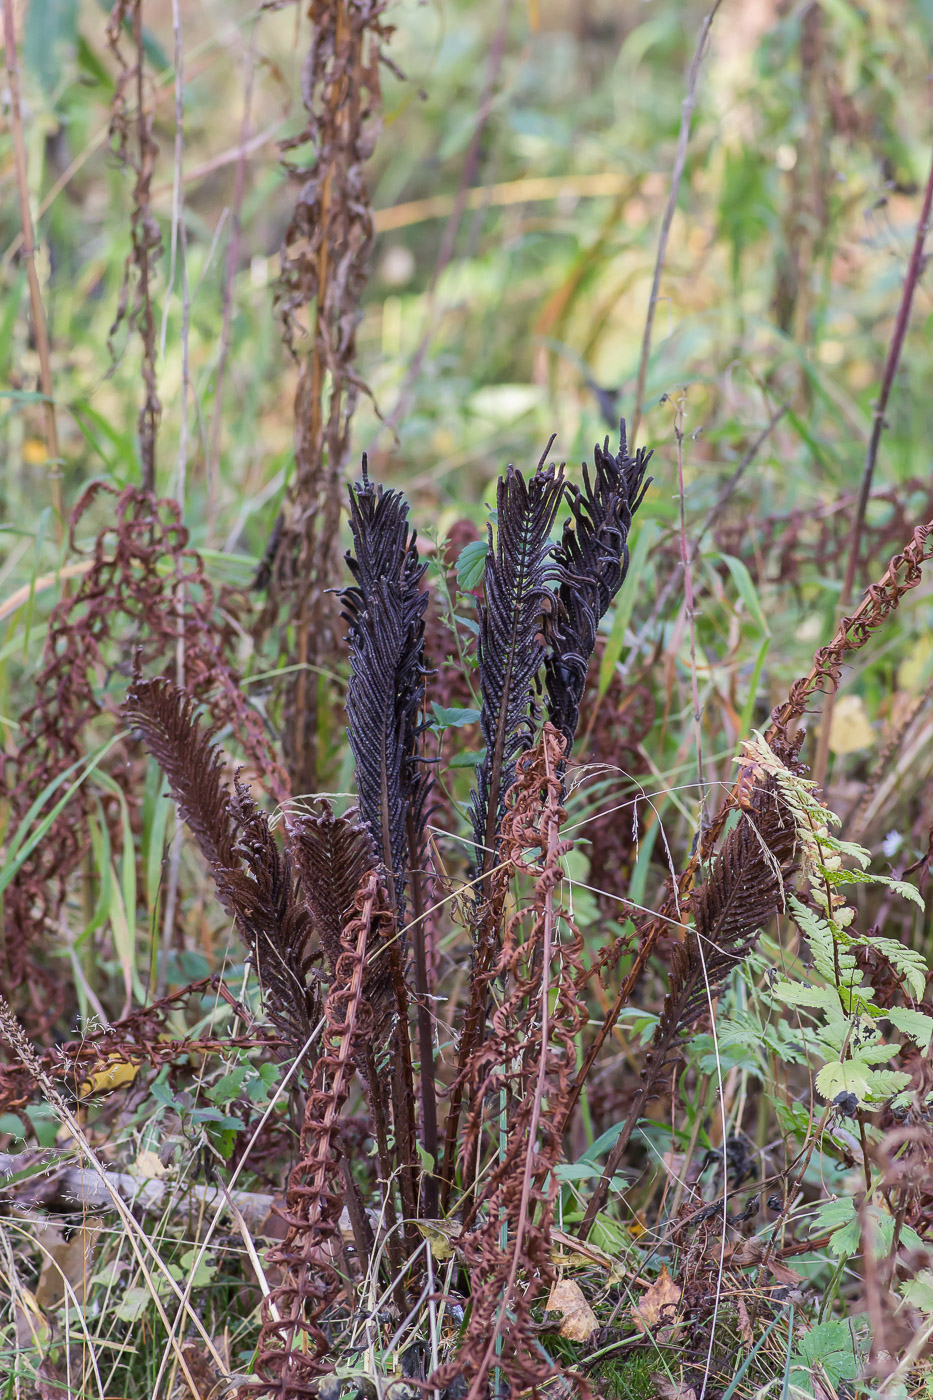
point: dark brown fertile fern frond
(252, 873)
(166, 717)
(744, 890)
(592, 558)
(331, 855)
(385, 608)
(511, 644)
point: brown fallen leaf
(64, 1263)
(658, 1304)
(579, 1320)
(668, 1389)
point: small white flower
(892, 843)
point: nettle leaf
(844, 1077)
(840, 1219)
(917, 1026)
(856, 1076)
(919, 1291)
(471, 561)
(830, 1346)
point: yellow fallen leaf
(567, 1252)
(850, 729)
(658, 1304)
(148, 1167)
(112, 1075)
(579, 1321)
(439, 1235)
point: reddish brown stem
(911, 281)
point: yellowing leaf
(112, 1075)
(658, 1304)
(914, 669)
(567, 1252)
(579, 1320)
(850, 730)
(35, 452)
(148, 1167)
(439, 1235)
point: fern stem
(429, 1184)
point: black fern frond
(166, 717)
(510, 648)
(745, 889)
(593, 560)
(252, 874)
(331, 854)
(385, 608)
(273, 921)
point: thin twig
(40, 329)
(462, 200)
(680, 159)
(233, 257)
(686, 560)
(911, 280)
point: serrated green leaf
(919, 1291)
(844, 1077)
(471, 561)
(798, 994)
(911, 965)
(914, 1024)
(828, 1345)
(841, 1220)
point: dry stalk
(40, 329)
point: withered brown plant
(325, 257)
(143, 589)
(132, 118)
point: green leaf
(919, 1291)
(856, 1076)
(133, 1304)
(798, 994)
(471, 562)
(844, 1077)
(914, 1024)
(841, 1220)
(908, 962)
(746, 590)
(453, 718)
(830, 1346)
(469, 758)
(638, 562)
(227, 1088)
(203, 1273)
(50, 39)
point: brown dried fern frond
(292, 1346)
(743, 891)
(530, 1057)
(252, 873)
